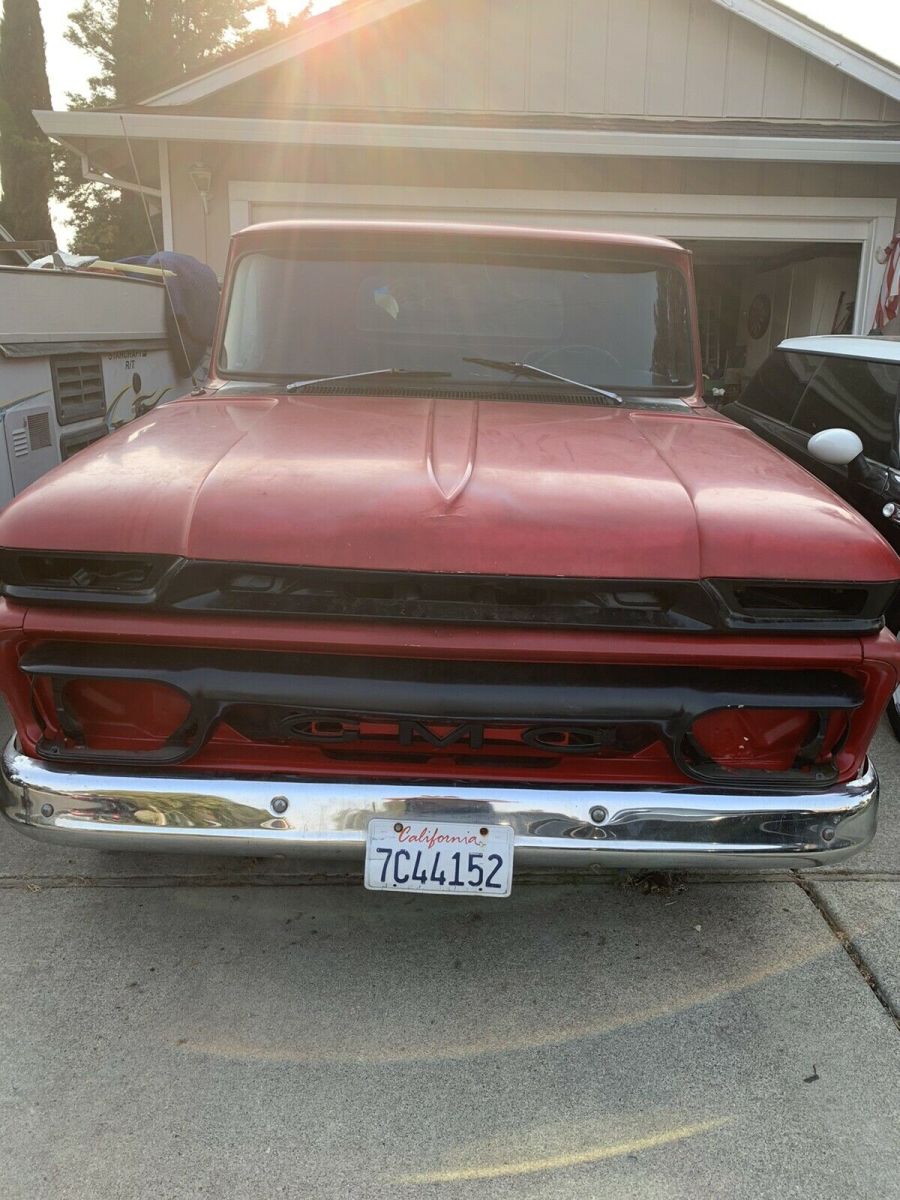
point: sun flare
(285, 9)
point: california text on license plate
(439, 856)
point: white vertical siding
(861, 103)
(465, 57)
(548, 54)
(745, 77)
(707, 58)
(423, 66)
(668, 35)
(784, 80)
(673, 58)
(588, 32)
(507, 41)
(822, 91)
(626, 66)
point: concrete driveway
(192, 1027)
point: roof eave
(82, 123)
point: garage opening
(752, 294)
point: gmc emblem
(560, 739)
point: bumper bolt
(46, 810)
(599, 815)
(280, 804)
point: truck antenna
(165, 281)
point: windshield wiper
(525, 369)
(391, 373)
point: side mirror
(837, 447)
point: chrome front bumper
(634, 828)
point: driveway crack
(850, 947)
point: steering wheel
(576, 361)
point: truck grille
(428, 719)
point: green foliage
(26, 165)
(105, 220)
(142, 47)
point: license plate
(439, 856)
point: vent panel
(78, 388)
(39, 430)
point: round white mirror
(837, 447)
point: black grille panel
(767, 603)
(128, 579)
(423, 597)
(263, 589)
(436, 392)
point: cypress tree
(130, 51)
(26, 164)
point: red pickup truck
(448, 567)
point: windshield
(620, 325)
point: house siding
(409, 168)
(654, 58)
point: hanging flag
(888, 305)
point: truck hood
(452, 485)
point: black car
(832, 403)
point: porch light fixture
(201, 177)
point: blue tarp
(193, 302)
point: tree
(26, 161)
(127, 70)
(140, 47)
(143, 46)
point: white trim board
(791, 28)
(863, 221)
(165, 185)
(372, 134)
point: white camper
(81, 352)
